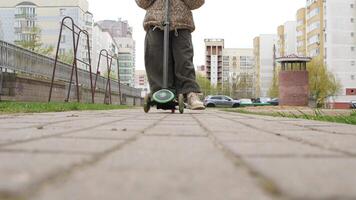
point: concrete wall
(293, 88)
(33, 89)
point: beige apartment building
(314, 28)
(213, 60)
(301, 32)
(281, 41)
(20, 18)
(239, 72)
(264, 63)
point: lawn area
(318, 115)
(23, 107)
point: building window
(352, 34)
(352, 5)
(352, 20)
(62, 12)
(353, 63)
(352, 48)
(352, 77)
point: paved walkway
(209, 155)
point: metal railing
(21, 60)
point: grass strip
(317, 116)
(26, 107)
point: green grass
(318, 116)
(23, 107)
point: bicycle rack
(76, 33)
(109, 59)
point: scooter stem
(166, 45)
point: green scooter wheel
(163, 96)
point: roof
(293, 58)
(26, 3)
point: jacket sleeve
(194, 4)
(144, 3)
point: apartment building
(1, 31)
(314, 28)
(239, 71)
(213, 60)
(340, 47)
(280, 46)
(301, 32)
(122, 34)
(264, 62)
(103, 40)
(287, 39)
(21, 18)
(141, 82)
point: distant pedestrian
(181, 68)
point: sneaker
(194, 102)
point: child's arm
(194, 4)
(144, 3)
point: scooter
(165, 98)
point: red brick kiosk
(293, 81)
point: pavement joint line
(267, 185)
(176, 135)
(47, 124)
(62, 133)
(294, 139)
(289, 122)
(93, 138)
(57, 152)
(55, 176)
(292, 156)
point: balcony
(89, 23)
(25, 30)
(26, 16)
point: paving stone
(160, 168)
(20, 171)
(63, 145)
(286, 148)
(313, 178)
(174, 130)
(249, 136)
(327, 140)
(115, 133)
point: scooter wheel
(146, 103)
(181, 103)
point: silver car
(221, 101)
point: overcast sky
(236, 21)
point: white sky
(236, 21)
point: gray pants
(181, 78)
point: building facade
(21, 20)
(102, 40)
(301, 32)
(213, 60)
(122, 34)
(340, 47)
(141, 82)
(286, 39)
(240, 75)
(314, 28)
(264, 62)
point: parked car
(274, 102)
(353, 104)
(246, 102)
(263, 100)
(221, 101)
